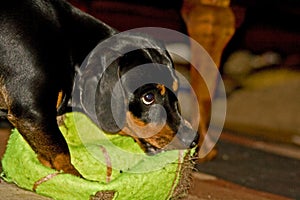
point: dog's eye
(148, 98)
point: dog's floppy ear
(102, 95)
(110, 100)
(94, 92)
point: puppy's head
(136, 96)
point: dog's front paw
(62, 162)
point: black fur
(41, 42)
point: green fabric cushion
(113, 166)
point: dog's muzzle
(186, 137)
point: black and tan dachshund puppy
(41, 42)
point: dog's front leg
(33, 113)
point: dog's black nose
(195, 141)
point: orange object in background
(212, 24)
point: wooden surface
(206, 187)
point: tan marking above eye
(162, 89)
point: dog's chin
(152, 150)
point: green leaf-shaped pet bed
(113, 167)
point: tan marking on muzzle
(158, 135)
(162, 138)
